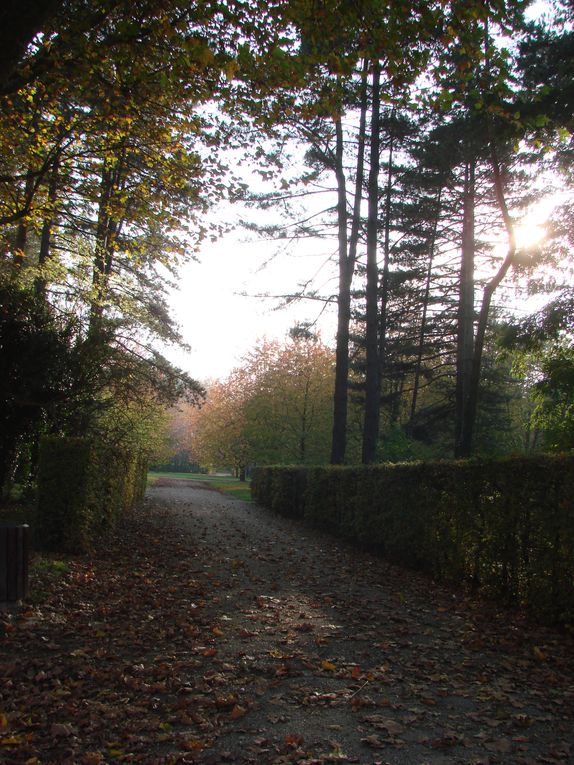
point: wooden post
(14, 554)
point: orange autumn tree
(274, 409)
(217, 433)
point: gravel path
(328, 654)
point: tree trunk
(22, 229)
(465, 319)
(101, 247)
(347, 259)
(107, 229)
(303, 433)
(470, 411)
(46, 235)
(383, 315)
(422, 333)
(372, 379)
(339, 437)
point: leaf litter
(208, 631)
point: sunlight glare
(529, 235)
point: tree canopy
(428, 129)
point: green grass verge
(44, 570)
(50, 566)
(235, 488)
(227, 484)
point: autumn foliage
(275, 408)
(506, 527)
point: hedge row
(506, 526)
(83, 487)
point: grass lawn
(227, 484)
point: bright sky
(220, 324)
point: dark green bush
(83, 488)
(505, 526)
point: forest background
(411, 140)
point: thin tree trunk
(372, 380)
(22, 230)
(304, 426)
(105, 239)
(383, 316)
(101, 241)
(489, 290)
(347, 259)
(465, 320)
(339, 435)
(422, 333)
(46, 235)
(396, 399)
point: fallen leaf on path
(238, 711)
(12, 740)
(92, 758)
(58, 729)
(294, 739)
(391, 726)
(193, 744)
(539, 653)
(502, 746)
(374, 742)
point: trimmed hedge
(83, 488)
(506, 526)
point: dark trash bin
(14, 554)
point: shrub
(505, 526)
(83, 487)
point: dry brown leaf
(92, 758)
(238, 711)
(502, 746)
(374, 742)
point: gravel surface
(329, 654)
